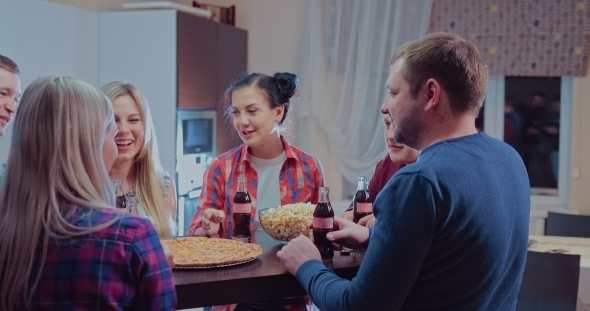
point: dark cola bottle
(323, 222)
(362, 202)
(121, 199)
(241, 211)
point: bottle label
(242, 208)
(364, 207)
(323, 223)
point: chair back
(550, 282)
(558, 224)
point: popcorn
(287, 222)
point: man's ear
(432, 92)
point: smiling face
(253, 118)
(10, 92)
(397, 153)
(402, 108)
(131, 128)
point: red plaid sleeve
(212, 194)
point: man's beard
(408, 129)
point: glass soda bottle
(241, 211)
(132, 202)
(362, 202)
(121, 200)
(323, 222)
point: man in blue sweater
(451, 230)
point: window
(533, 114)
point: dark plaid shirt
(121, 267)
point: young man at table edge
(397, 157)
(451, 230)
(10, 90)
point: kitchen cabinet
(210, 55)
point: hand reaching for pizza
(212, 219)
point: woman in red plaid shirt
(276, 172)
(62, 244)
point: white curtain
(343, 67)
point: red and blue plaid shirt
(121, 267)
(299, 180)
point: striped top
(299, 180)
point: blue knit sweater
(451, 233)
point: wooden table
(262, 279)
(569, 245)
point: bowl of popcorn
(287, 222)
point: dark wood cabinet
(209, 56)
(232, 54)
(196, 64)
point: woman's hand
(212, 219)
(367, 221)
(348, 215)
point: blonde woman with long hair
(62, 244)
(138, 164)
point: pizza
(205, 252)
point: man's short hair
(9, 64)
(453, 61)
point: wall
(273, 26)
(580, 162)
(45, 38)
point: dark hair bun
(287, 83)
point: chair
(558, 224)
(550, 282)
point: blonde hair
(55, 165)
(149, 174)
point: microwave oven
(195, 146)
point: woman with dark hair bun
(257, 106)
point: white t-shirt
(268, 192)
